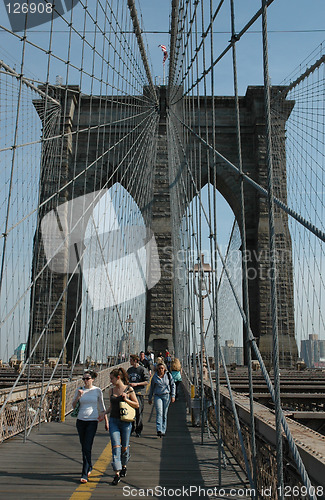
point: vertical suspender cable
(247, 345)
(214, 265)
(272, 253)
(137, 31)
(173, 38)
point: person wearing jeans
(138, 379)
(120, 434)
(86, 431)
(120, 431)
(91, 410)
(163, 389)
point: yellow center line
(84, 491)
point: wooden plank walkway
(48, 465)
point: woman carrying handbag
(120, 429)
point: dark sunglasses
(86, 378)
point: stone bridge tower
(80, 145)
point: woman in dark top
(120, 431)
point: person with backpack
(168, 359)
(163, 390)
(176, 370)
(144, 361)
(138, 380)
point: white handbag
(127, 413)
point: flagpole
(163, 48)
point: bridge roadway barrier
(44, 402)
(48, 465)
(311, 444)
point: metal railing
(17, 418)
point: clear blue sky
(296, 28)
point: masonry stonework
(76, 152)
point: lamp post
(202, 288)
(129, 330)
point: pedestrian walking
(176, 370)
(159, 359)
(163, 389)
(168, 359)
(138, 379)
(91, 409)
(119, 430)
(144, 361)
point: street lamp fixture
(129, 330)
(202, 288)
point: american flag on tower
(164, 49)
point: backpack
(170, 378)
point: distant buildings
(313, 352)
(20, 352)
(232, 354)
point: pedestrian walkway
(48, 465)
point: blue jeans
(161, 405)
(86, 430)
(120, 437)
(137, 426)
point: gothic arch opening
(114, 278)
(209, 213)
